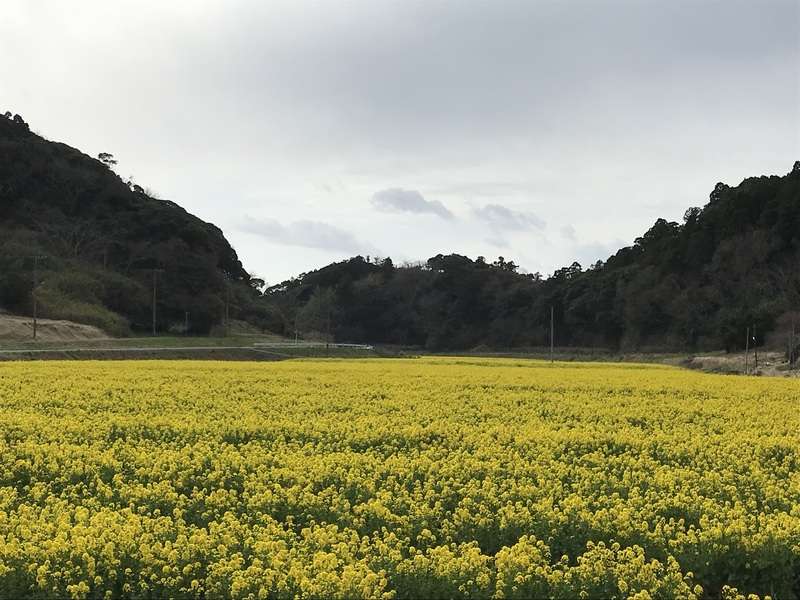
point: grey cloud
(306, 234)
(526, 64)
(568, 231)
(400, 200)
(502, 218)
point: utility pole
(552, 332)
(746, 349)
(227, 309)
(155, 273)
(791, 346)
(755, 350)
(186, 323)
(328, 333)
(36, 260)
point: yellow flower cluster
(435, 478)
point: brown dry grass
(15, 328)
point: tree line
(693, 285)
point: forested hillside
(99, 239)
(692, 285)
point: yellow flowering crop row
(436, 477)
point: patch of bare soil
(772, 364)
(16, 328)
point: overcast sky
(543, 131)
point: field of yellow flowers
(431, 477)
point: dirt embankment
(14, 328)
(770, 363)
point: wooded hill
(99, 238)
(684, 286)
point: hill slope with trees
(92, 242)
(684, 286)
(99, 239)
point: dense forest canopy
(99, 239)
(692, 285)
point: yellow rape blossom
(432, 477)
